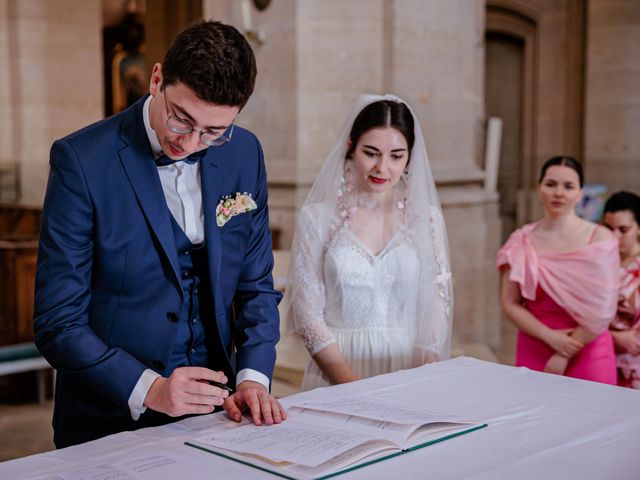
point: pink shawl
(584, 282)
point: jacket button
(172, 317)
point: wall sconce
(258, 35)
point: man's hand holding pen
(187, 391)
(198, 390)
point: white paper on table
(288, 441)
(381, 410)
(182, 463)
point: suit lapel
(211, 177)
(142, 172)
(211, 183)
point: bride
(369, 285)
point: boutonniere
(231, 206)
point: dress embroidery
(366, 303)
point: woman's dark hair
(384, 113)
(622, 200)
(563, 161)
(215, 61)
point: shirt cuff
(139, 393)
(254, 376)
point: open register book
(322, 439)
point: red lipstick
(378, 181)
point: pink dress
(628, 317)
(566, 290)
(596, 361)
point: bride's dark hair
(384, 113)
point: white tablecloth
(541, 427)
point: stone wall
(50, 81)
(317, 57)
(612, 139)
(436, 63)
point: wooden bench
(24, 357)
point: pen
(221, 385)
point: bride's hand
(421, 357)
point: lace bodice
(369, 290)
(341, 284)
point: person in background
(369, 287)
(559, 283)
(622, 217)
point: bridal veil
(423, 227)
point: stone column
(612, 139)
(318, 56)
(272, 110)
(314, 59)
(9, 98)
(436, 63)
(50, 83)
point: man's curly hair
(215, 61)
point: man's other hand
(254, 396)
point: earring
(400, 191)
(345, 209)
(347, 177)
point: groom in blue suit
(153, 284)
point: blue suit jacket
(107, 281)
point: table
(541, 427)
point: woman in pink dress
(560, 283)
(621, 216)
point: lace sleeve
(307, 281)
(435, 307)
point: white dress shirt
(181, 186)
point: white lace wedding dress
(366, 303)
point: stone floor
(25, 429)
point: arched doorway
(510, 94)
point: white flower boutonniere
(230, 207)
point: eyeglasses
(177, 125)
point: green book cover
(285, 473)
(328, 438)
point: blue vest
(191, 343)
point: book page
(397, 433)
(296, 441)
(359, 454)
(152, 464)
(383, 410)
